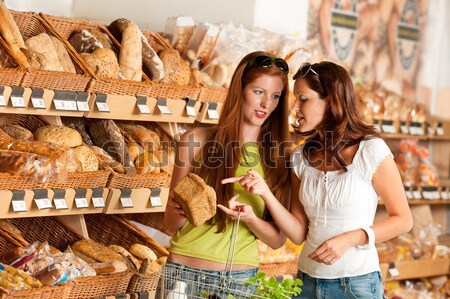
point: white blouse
(336, 202)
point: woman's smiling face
(261, 97)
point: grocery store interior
(396, 52)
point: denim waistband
(248, 272)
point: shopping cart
(183, 282)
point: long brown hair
(220, 156)
(342, 124)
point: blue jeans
(196, 281)
(356, 287)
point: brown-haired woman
(340, 172)
(251, 134)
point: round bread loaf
(59, 135)
(88, 159)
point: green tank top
(203, 242)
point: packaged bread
(106, 134)
(148, 139)
(33, 166)
(180, 30)
(17, 132)
(96, 251)
(60, 135)
(196, 198)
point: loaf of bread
(60, 135)
(97, 251)
(103, 62)
(84, 41)
(17, 132)
(41, 53)
(148, 139)
(135, 150)
(149, 267)
(127, 255)
(150, 59)
(106, 161)
(104, 39)
(197, 199)
(166, 160)
(176, 69)
(88, 159)
(63, 56)
(30, 165)
(109, 267)
(143, 252)
(147, 162)
(11, 34)
(130, 56)
(106, 134)
(78, 123)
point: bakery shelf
(424, 202)
(209, 113)
(416, 269)
(127, 108)
(125, 201)
(25, 200)
(45, 105)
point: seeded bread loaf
(197, 199)
(60, 135)
(88, 159)
(97, 251)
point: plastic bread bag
(392, 104)
(407, 162)
(77, 266)
(33, 166)
(201, 44)
(179, 30)
(18, 256)
(12, 279)
(427, 172)
(42, 258)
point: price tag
(444, 193)
(155, 198)
(388, 126)
(408, 193)
(80, 199)
(82, 101)
(125, 198)
(141, 103)
(42, 200)
(190, 107)
(59, 199)
(430, 129)
(416, 128)
(404, 128)
(2, 96)
(393, 271)
(162, 105)
(100, 102)
(97, 198)
(212, 110)
(17, 99)
(37, 98)
(416, 193)
(440, 129)
(65, 100)
(18, 201)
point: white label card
(2, 100)
(404, 129)
(38, 103)
(98, 202)
(143, 109)
(440, 131)
(409, 195)
(394, 272)
(417, 195)
(162, 105)
(190, 108)
(155, 198)
(126, 202)
(65, 105)
(60, 203)
(391, 129)
(17, 102)
(82, 106)
(19, 206)
(212, 111)
(102, 106)
(81, 202)
(43, 203)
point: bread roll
(63, 56)
(148, 139)
(17, 132)
(166, 160)
(143, 252)
(197, 199)
(130, 56)
(41, 53)
(103, 62)
(87, 158)
(59, 135)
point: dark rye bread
(197, 199)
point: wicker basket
(30, 24)
(173, 91)
(137, 181)
(64, 27)
(88, 180)
(156, 41)
(212, 94)
(99, 286)
(11, 73)
(57, 292)
(140, 283)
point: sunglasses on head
(265, 62)
(304, 70)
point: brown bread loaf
(63, 56)
(106, 134)
(148, 139)
(103, 62)
(130, 56)
(97, 251)
(197, 199)
(41, 53)
(17, 132)
(60, 135)
(106, 161)
(78, 123)
(84, 41)
(88, 159)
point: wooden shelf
(416, 269)
(420, 137)
(424, 202)
(205, 117)
(138, 200)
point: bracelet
(371, 237)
